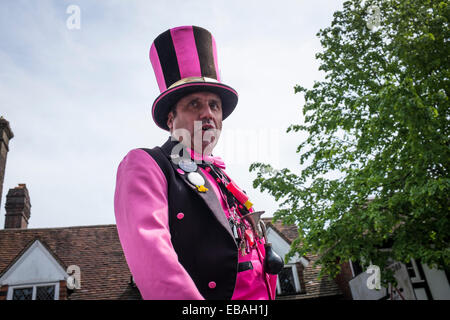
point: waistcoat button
(212, 285)
(180, 215)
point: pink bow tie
(217, 161)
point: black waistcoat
(202, 238)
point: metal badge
(195, 178)
(187, 165)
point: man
(187, 230)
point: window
(23, 294)
(413, 271)
(356, 268)
(287, 282)
(418, 280)
(45, 293)
(34, 292)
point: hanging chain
(238, 225)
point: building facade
(87, 262)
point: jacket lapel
(172, 149)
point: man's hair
(173, 109)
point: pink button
(212, 284)
(180, 171)
(208, 169)
(180, 215)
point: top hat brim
(164, 102)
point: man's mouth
(207, 126)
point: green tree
(381, 119)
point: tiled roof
(104, 271)
(95, 249)
(287, 232)
(314, 288)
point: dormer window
(287, 281)
(48, 291)
(34, 275)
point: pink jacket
(141, 210)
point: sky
(78, 96)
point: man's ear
(170, 120)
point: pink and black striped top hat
(185, 61)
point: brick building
(299, 278)
(36, 263)
(87, 262)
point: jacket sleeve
(141, 211)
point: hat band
(192, 79)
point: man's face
(198, 118)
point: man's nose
(206, 112)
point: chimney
(17, 208)
(5, 135)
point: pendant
(249, 237)
(187, 165)
(234, 229)
(243, 248)
(202, 188)
(197, 180)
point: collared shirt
(141, 210)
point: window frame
(34, 286)
(298, 288)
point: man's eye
(214, 105)
(193, 103)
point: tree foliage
(380, 118)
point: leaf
(379, 119)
